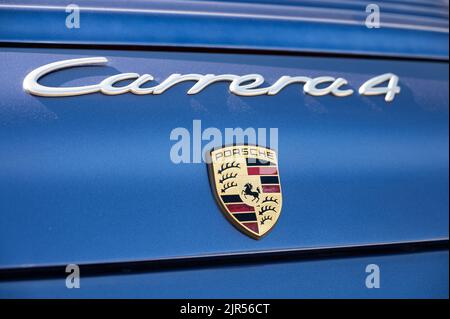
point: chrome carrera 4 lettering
(245, 85)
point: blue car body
(88, 179)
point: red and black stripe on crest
(241, 211)
(268, 172)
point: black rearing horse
(248, 190)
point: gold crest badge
(246, 183)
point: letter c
(31, 85)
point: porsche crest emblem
(245, 181)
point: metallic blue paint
(88, 179)
(419, 30)
(402, 276)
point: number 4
(369, 88)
